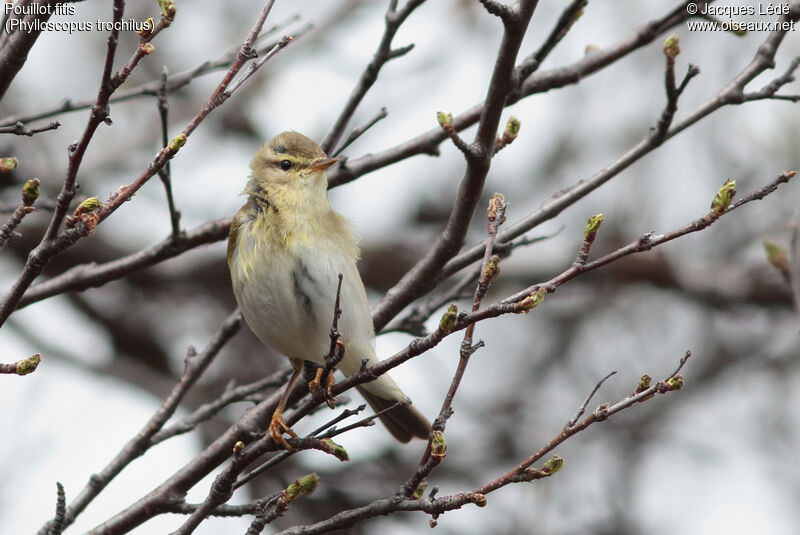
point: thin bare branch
(421, 278)
(150, 89)
(195, 365)
(30, 192)
(568, 17)
(413, 321)
(649, 240)
(671, 51)
(58, 524)
(582, 409)
(359, 131)
(19, 129)
(165, 174)
(769, 90)
(183, 508)
(498, 9)
(383, 54)
(538, 82)
(523, 472)
(84, 276)
(211, 409)
(52, 243)
(433, 454)
(524, 301)
(729, 95)
(21, 367)
(254, 66)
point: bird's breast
(286, 284)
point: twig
(582, 408)
(21, 367)
(426, 274)
(84, 276)
(469, 151)
(52, 244)
(769, 90)
(253, 423)
(525, 300)
(58, 524)
(421, 278)
(151, 88)
(538, 82)
(195, 365)
(413, 321)
(225, 482)
(254, 67)
(359, 131)
(366, 421)
(523, 472)
(671, 51)
(277, 507)
(568, 17)
(435, 452)
(335, 353)
(19, 129)
(221, 491)
(330, 424)
(262, 518)
(334, 333)
(283, 455)
(384, 53)
(377, 508)
(30, 192)
(211, 409)
(729, 95)
(684, 359)
(504, 249)
(183, 508)
(223, 92)
(165, 174)
(648, 241)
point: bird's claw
(277, 427)
(318, 391)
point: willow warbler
(286, 249)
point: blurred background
(719, 456)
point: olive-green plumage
(285, 251)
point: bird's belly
(288, 300)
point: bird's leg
(317, 390)
(277, 425)
(334, 357)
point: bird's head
(293, 161)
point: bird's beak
(322, 164)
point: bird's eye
(286, 165)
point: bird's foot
(318, 391)
(277, 427)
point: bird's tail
(404, 422)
